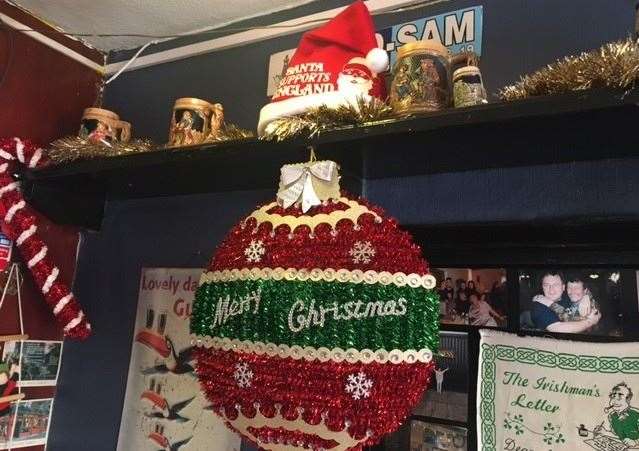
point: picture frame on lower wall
(429, 436)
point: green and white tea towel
(545, 394)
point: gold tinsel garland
(615, 66)
(323, 118)
(73, 148)
(230, 132)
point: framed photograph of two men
(578, 301)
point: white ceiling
(152, 17)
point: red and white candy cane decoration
(19, 224)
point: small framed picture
(472, 296)
(426, 436)
(40, 363)
(9, 382)
(32, 423)
(7, 420)
(578, 301)
(36, 362)
(447, 395)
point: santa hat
(311, 77)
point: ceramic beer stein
(422, 77)
(193, 121)
(103, 126)
(468, 87)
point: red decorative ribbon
(19, 224)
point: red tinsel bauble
(316, 329)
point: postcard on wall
(9, 376)
(7, 420)
(32, 422)
(11, 351)
(573, 300)
(40, 363)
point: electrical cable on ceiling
(123, 68)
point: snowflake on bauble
(254, 251)
(362, 252)
(243, 375)
(358, 385)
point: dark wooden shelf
(589, 125)
(590, 241)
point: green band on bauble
(318, 314)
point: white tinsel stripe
(49, 282)
(74, 322)
(3, 167)
(62, 303)
(10, 187)
(37, 257)
(35, 158)
(12, 211)
(5, 155)
(317, 274)
(310, 353)
(26, 234)
(19, 149)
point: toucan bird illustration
(174, 362)
(171, 413)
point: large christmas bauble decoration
(316, 320)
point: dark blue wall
(560, 191)
(163, 232)
(519, 35)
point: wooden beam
(4, 338)
(11, 398)
(28, 20)
(36, 29)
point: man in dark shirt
(543, 316)
(446, 292)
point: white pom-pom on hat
(377, 60)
